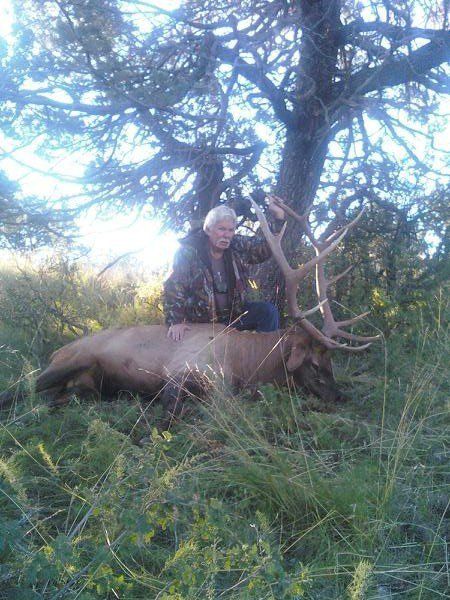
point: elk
(144, 360)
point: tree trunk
(207, 188)
(302, 164)
(306, 146)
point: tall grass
(271, 496)
(43, 306)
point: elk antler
(331, 327)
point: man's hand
(176, 332)
(276, 210)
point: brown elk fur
(144, 360)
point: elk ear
(296, 358)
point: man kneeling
(209, 281)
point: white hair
(217, 214)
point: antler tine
(292, 276)
(329, 342)
(289, 211)
(319, 336)
(293, 308)
(333, 328)
(353, 320)
(356, 348)
(347, 227)
(311, 311)
(303, 219)
(336, 278)
(357, 338)
(273, 239)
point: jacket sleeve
(176, 288)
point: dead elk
(144, 360)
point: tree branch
(257, 77)
(398, 71)
(401, 35)
(26, 98)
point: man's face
(220, 235)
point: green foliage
(358, 587)
(271, 496)
(44, 306)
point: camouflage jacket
(189, 290)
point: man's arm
(176, 291)
(176, 288)
(253, 249)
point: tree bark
(207, 188)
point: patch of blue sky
(7, 20)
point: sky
(107, 239)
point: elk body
(144, 360)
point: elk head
(314, 368)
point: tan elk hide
(144, 360)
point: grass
(274, 497)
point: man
(209, 280)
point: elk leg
(61, 399)
(81, 386)
(55, 397)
